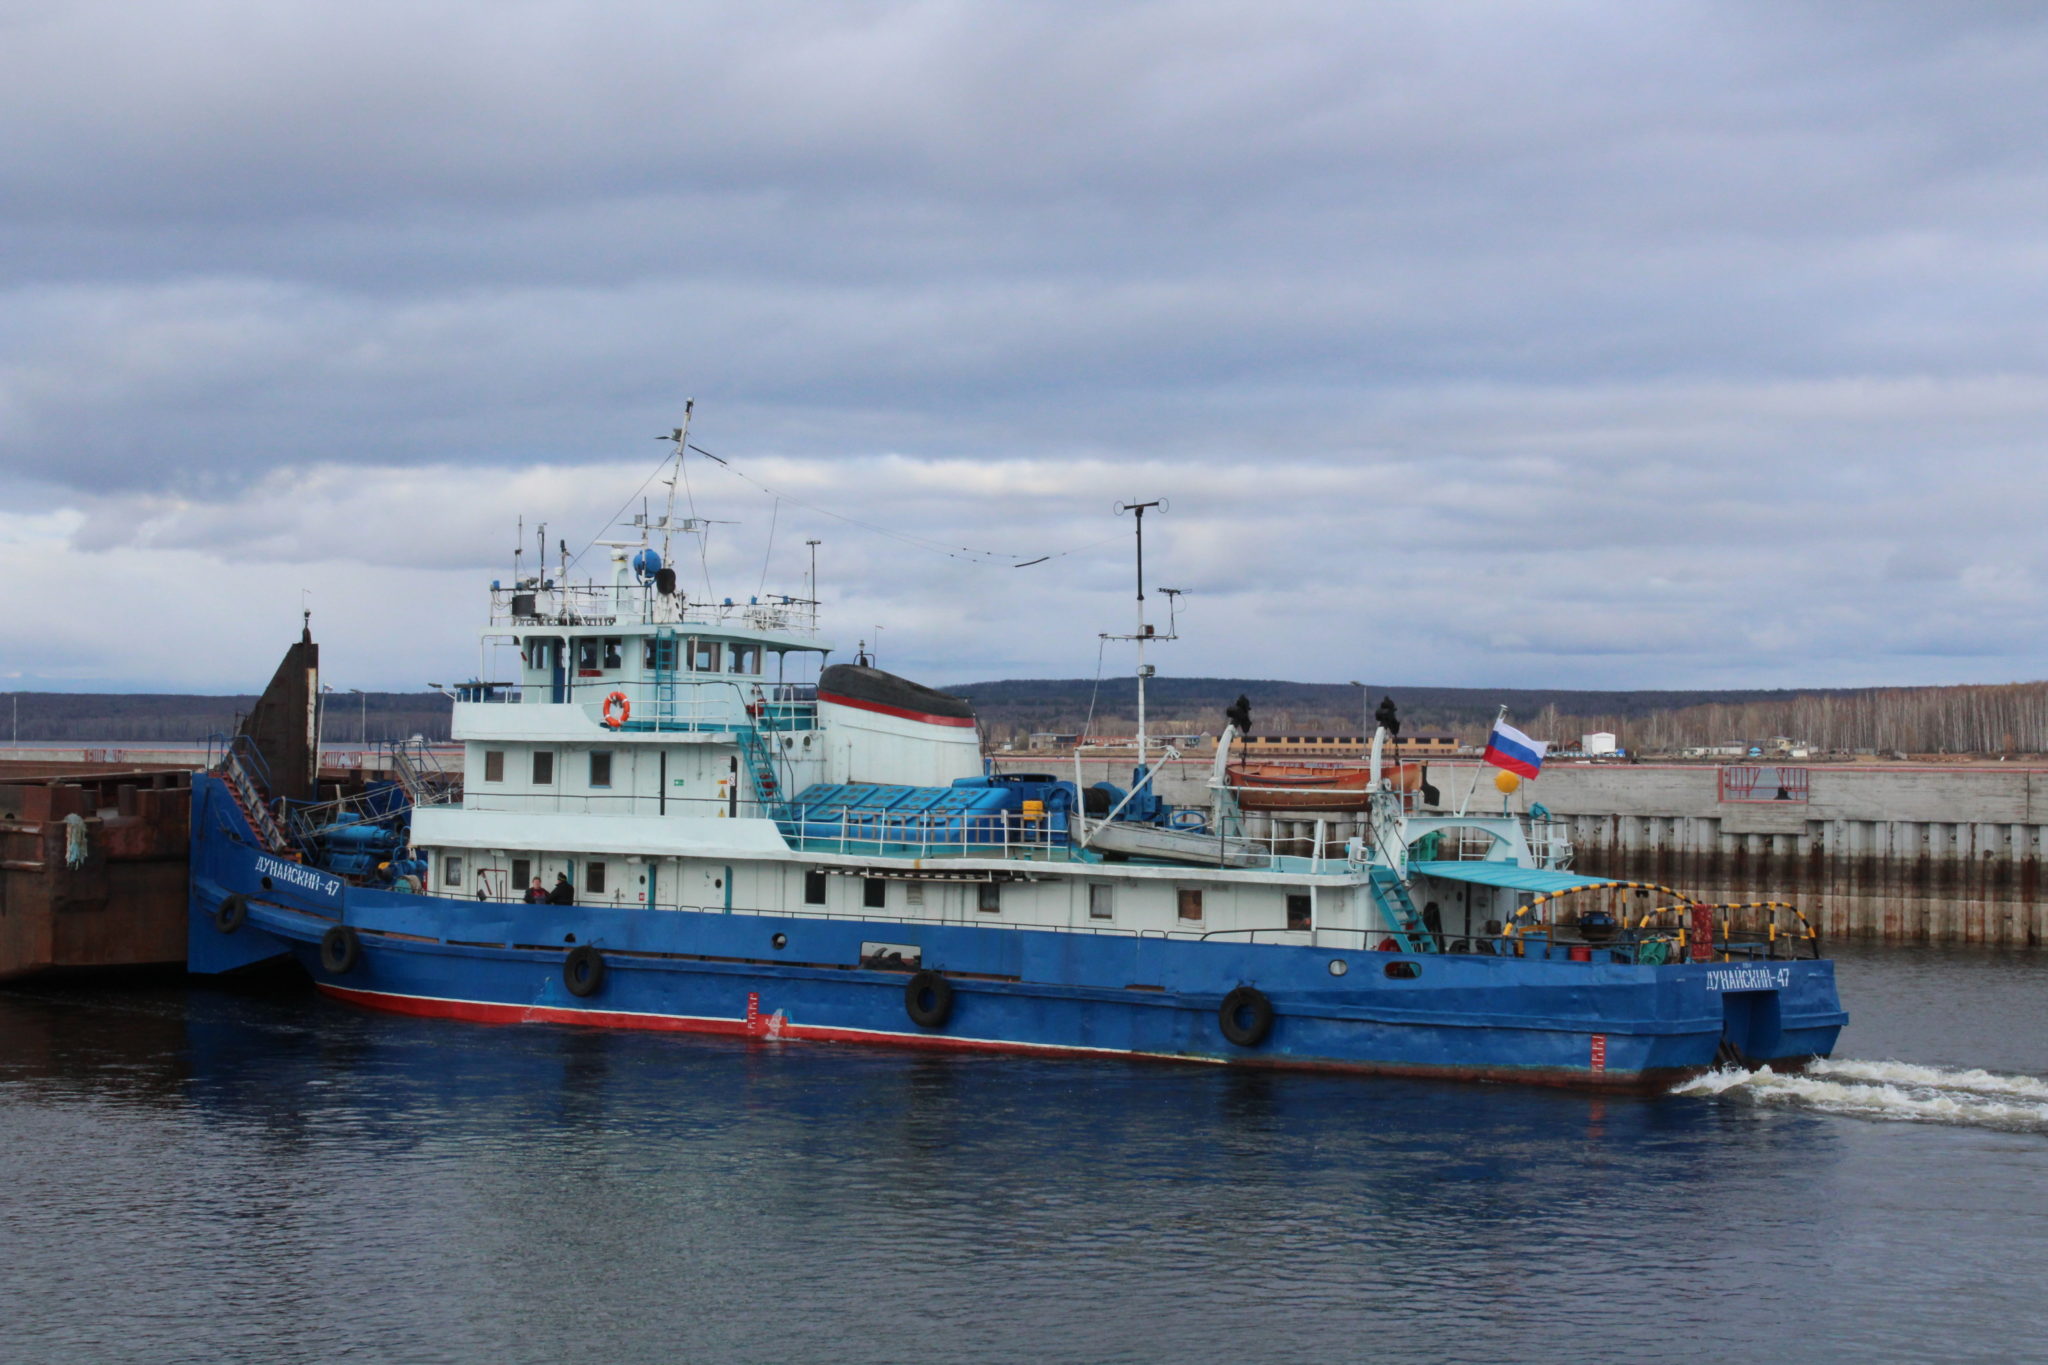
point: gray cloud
(1580, 343)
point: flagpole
(1479, 767)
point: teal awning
(1515, 878)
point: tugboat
(678, 813)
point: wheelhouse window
(588, 653)
(1299, 913)
(494, 765)
(614, 655)
(1190, 903)
(704, 656)
(593, 878)
(600, 767)
(543, 767)
(1101, 900)
(874, 893)
(814, 888)
(746, 658)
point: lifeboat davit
(1314, 786)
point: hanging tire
(583, 972)
(340, 950)
(928, 1000)
(232, 913)
(1246, 1016)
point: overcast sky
(1601, 345)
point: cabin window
(647, 653)
(746, 658)
(451, 872)
(522, 873)
(704, 656)
(593, 878)
(587, 655)
(874, 893)
(1191, 904)
(989, 898)
(1101, 900)
(494, 765)
(600, 767)
(814, 888)
(543, 767)
(614, 656)
(1298, 912)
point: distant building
(1597, 744)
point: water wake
(1897, 1091)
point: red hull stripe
(773, 1027)
(963, 722)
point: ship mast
(1144, 633)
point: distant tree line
(1992, 718)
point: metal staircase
(1390, 873)
(420, 774)
(246, 776)
(1414, 936)
(760, 761)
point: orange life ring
(625, 710)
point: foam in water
(1892, 1090)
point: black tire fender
(340, 950)
(232, 913)
(928, 999)
(1246, 1016)
(583, 971)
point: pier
(1894, 852)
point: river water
(192, 1174)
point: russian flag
(1509, 748)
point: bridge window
(746, 658)
(543, 767)
(494, 765)
(613, 657)
(587, 655)
(1298, 910)
(704, 656)
(814, 887)
(1191, 904)
(593, 878)
(600, 767)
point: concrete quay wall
(1887, 851)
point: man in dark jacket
(563, 894)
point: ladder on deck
(760, 759)
(666, 647)
(1390, 876)
(1414, 936)
(420, 774)
(243, 772)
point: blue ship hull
(799, 977)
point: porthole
(1338, 966)
(1403, 971)
(266, 884)
(780, 940)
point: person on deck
(563, 894)
(536, 894)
